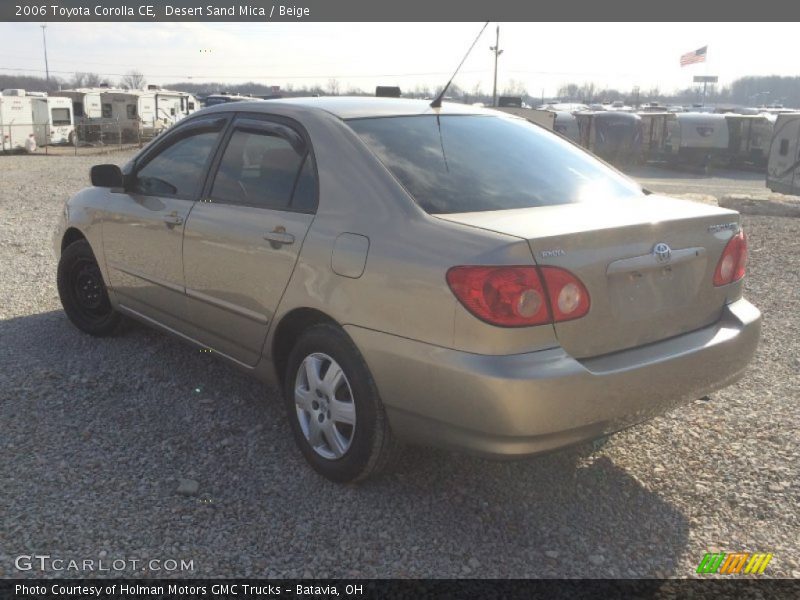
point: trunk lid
(637, 295)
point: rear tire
(83, 292)
(335, 412)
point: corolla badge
(662, 252)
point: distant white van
(783, 165)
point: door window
(260, 169)
(107, 111)
(179, 169)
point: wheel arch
(71, 235)
(291, 325)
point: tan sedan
(447, 276)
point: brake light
(519, 296)
(733, 262)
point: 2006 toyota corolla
(447, 275)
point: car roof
(355, 107)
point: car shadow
(101, 432)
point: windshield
(457, 163)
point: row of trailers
(47, 119)
(90, 115)
(694, 139)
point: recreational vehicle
(16, 119)
(545, 118)
(566, 124)
(783, 166)
(611, 135)
(749, 137)
(85, 102)
(655, 131)
(123, 111)
(698, 138)
(52, 120)
(159, 109)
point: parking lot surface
(97, 436)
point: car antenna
(437, 102)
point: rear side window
(178, 170)
(453, 164)
(259, 169)
(60, 116)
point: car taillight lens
(733, 262)
(519, 296)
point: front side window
(179, 169)
(455, 163)
(257, 169)
(60, 116)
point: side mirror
(109, 176)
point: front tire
(83, 292)
(334, 409)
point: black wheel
(334, 409)
(83, 293)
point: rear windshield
(457, 163)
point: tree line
(748, 91)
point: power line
(256, 76)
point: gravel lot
(96, 436)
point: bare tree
(333, 86)
(81, 79)
(132, 80)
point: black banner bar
(406, 10)
(253, 589)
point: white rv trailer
(171, 106)
(124, 111)
(16, 119)
(545, 118)
(783, 164)
(52, 120)
(85, 102)
(698, 138)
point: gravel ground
(97, 436)
(717, 182)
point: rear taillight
(732, 263)
(519, 296)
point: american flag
(697, 56)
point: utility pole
(44, 42)
(497, 53)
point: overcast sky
(540, 55)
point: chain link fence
(83, 138)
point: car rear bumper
(528, 403)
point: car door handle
(172, 220)
(279, 237)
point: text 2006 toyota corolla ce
(448, 276)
